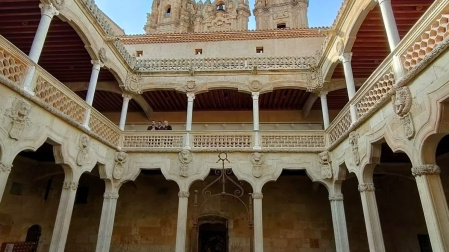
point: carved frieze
(325, 162)
(133, 82)
(121, 165)
(354, 142)
(19, 115)
(185, 158)
(425, 170)
(257, 159)
(83, 154)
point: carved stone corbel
(425, 170)
(83, 154)
(19, 115)
(121, 165)
(185, 158)
(257, 159)
(325, 162)
(402, 103)
(354, 142)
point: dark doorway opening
(213, 235)
(33, 235)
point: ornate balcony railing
(224, 64)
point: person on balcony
(166, 126)
(152, 126)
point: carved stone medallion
(354, 142)
(325, 162)
(83, 154)
(121, 165)
(190, 86)
(185, 158)
(257, 159)
(255, 86)
(19, 114)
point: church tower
(170, 16)
(281, 14)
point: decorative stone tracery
(19, 115)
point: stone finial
(428, 169)
(366, 187)
(19, 114)
(121, 165)
(83, 154)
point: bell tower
(281, 14)
(169, 16)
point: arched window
(168, 12)
(33, 235)
(221, 7)
(281, 25)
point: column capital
(48, 10)
(110, 195)
(183, 194)
(127, 96)
(5, 168)
(428, 169)
(323, 93)
(367, 187)
(70, 185)
(345, 57)
(97, 64)
(336, 197)
(255, 95)
(257, 195)
(190, 96)
(382, 1)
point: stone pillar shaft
(371, 215)
(389, 23)
(190, 99)
(181, 229)
(324, 109)
(256, 123)
(350, 85)
(258, 222)
(63, 217)
(339, 223)
(107, 221)
(91, 89)
(126, 99)
(47, 13)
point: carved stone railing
(13, 66)
(290, 140)
(222, 140)
(224, 64)
(104, 128)
(152, 140)
(340, 125)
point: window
(221, 7)
(168, 12)
(259, 49)
(282, 26)
(81, 195)
(198, 51)
(139, 53)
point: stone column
(434, 205)
(126, 99)
(190, 99)
(346, 58)
(339, 222)
(255, 96)
(258, 222)
(107, 219)
(371, 215)
(389, 23)
(47, 13)
(5, 170)
(324, 109)
(63, 216)
(181, 230)
(97, 65)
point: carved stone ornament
(133, 82)
(121, 165)
(425, 170)
(183, 194)
(402, 101)
(366, 187)
(19, 114)
(336, 197)
(257, 195)
(354, 142)
(340, 46)
(314, 78)
(5, 168)
(325, 162)
(190, 86)
(70, 185)
(102, 55)
(59, 4)
(185, 158)
(110, 196)
(255, 86)
(83, 154)
(257, 159)
(407, 124)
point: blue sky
(131, 15)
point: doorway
(213, 234)
(33, 235)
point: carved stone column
(126, 99)
(258, 222)
(345, 59)
(47, 13)
(434, 205)
(5, 170)
(107, 219)
(63, 216)
(181, 230)
(371, 215)
(97, 65)
(190, 99)
(324, 109)
(255, 96)
(339, 222)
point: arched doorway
(33, 235)
(213, 234)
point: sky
(131, 15)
